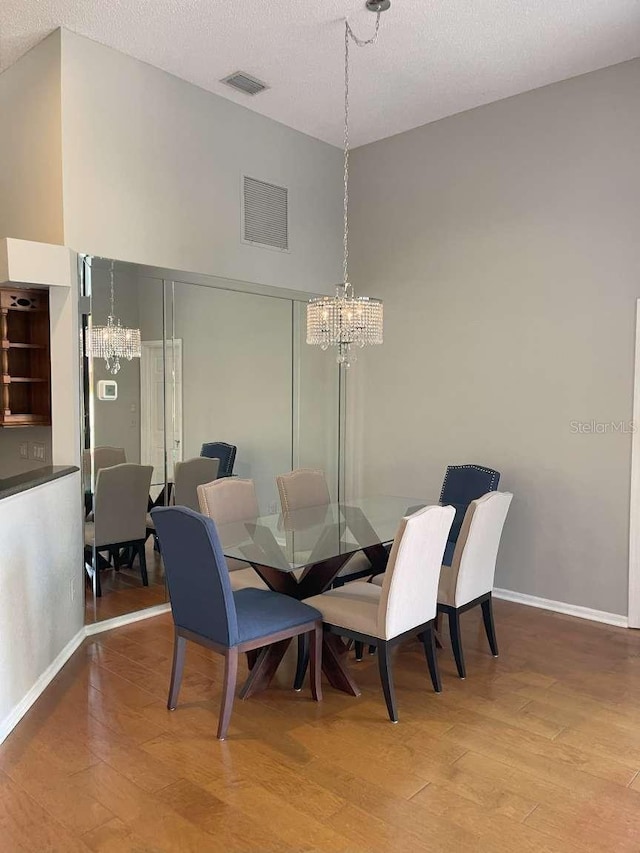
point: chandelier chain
(348, 36)
(112, 290)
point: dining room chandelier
(347, 321)
(114, 341)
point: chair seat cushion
(245, 578)
(89, 533)
(261, 612)
(378, 580)
(353, 606)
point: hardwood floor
(536, 751)
(122, 591)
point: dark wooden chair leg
(228, 691)
(437, 629)
(179, 647)
(489, 625)
(316, 663)
(428, 641)
(143, 563)
(456, 642)
(303, 661)
(386, 677)
(359, 649)
(372, 650)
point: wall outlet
(24, 450)
(38, 451)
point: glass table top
(307, 536)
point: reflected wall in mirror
(221, 362)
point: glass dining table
(300, 554)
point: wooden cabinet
(25, 358)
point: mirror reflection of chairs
(119, 526)
(226, 453)
(103, 457)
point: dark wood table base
(314, 580)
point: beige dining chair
(306, 488)
(121, 497)
(103, 457)
(468, 581)
(405, 604)
(231, 500)
(190, 474)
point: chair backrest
(103, 457)
(120, 503)
(197, 574)
(226, 453)
(474, 559)
(190, 474)
(410, 588)
(229, 500)
(302, 488)
(463, 484)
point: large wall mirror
(221, 362)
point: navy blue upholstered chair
(226, 453)
(463, 484)
(206, 610)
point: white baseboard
(17, 713)
(126, 619)
(561, 607)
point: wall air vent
(265, 214)
(244, 83)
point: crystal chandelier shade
(347, 321)
(344, 321)
(114, 341)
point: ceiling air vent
(265, 209)
(245, 83)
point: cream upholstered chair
(305, 488)
(122, 494)
(190, 474)
(468, 581)
(226, 501)
(404, 605)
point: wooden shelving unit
(24, 358)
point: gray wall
(31, 146)
(11, 463)
(152, 174)
(504, 241)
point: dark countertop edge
(30, 479)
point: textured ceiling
(434, 57)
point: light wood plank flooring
(536, 752)
(122, 591)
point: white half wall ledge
(17, 713)
(576, 610)
(25, 262)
